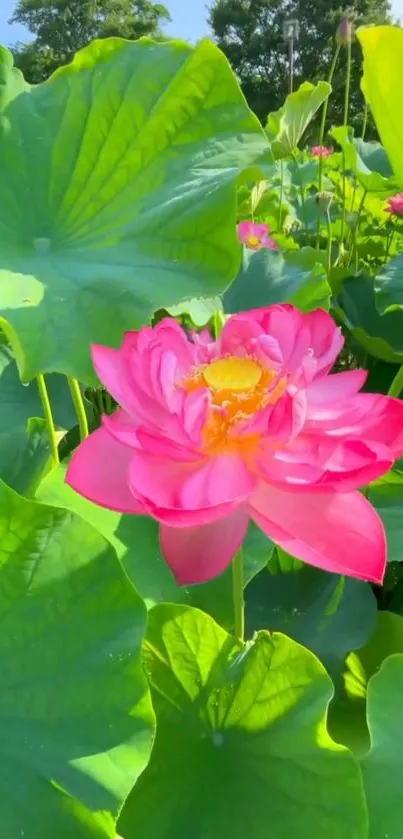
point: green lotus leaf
(388, 285)
(76, 723)
(386, 495)
(328, 614)
(381, 335)
(241, 746)
(348, 712)
(117, 194)
(383, 67)
(382, 767)
(286, 127)
(267, 277)
(369, 178)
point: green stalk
(397, 384)
(324, 114)
(389, 245)
(281, 193)
(348, 81)
(218, 322)
(79, 406)
(365, 121)
(329, 242)
(301, 190)
(343, 213)
(237, 589)
(47, 412)
(322, 136)
(356, 226)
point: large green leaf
(267, 277)
(382, 767)
(373, 156)
(286, 127)
(348, 712)
(18, 403)
(117, 194)
(75, 714)
(388, 285)
(241, 747)
(386, 495)
(381, 335)
(329, 614)
(369, 178)
(25, 456)
(24, 443)
(383, 67)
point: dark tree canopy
(62, 27)
(250, 32)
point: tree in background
(62, 27)
(250, 32)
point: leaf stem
(301, 190)
(348, 81)
(329, 241)
(281, 193)
(364, 122)
(79, 406)
(47, 412)
(389, 245)
(356, 226)
(237, 589)
(397, 384)
(323, 121)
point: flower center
(235, 374)
(240, 388)
(252, 241)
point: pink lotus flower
(212, 433)
(255, 236)
(320, 151)
(395, 205)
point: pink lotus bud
(344, 34)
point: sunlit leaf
(286, 127)
(76, 722)
(267, 277)
(383, 67)
(117, 194)
(241, 747)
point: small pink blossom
(320, 151)
(255, 236)
(395, 205)
(211, 434)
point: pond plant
(201, 440)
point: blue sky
(188, 19)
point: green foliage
(269, 277)
(382, 766)
(328, 614)
(62, 27)
(383, 61)
(88, 234)
(286, 128)
(123, 177)
(75, 715)
(251, 35)
(250, 761)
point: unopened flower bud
(344, 34)
(324, 199)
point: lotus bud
(344, 34)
